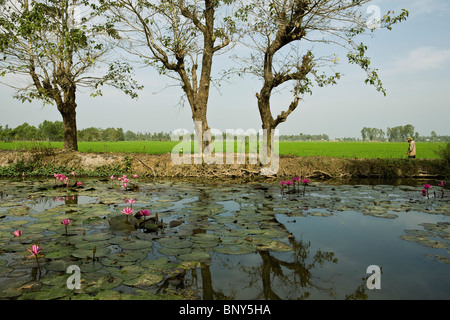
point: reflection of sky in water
(360, 241)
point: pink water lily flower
(427, 186)
(130, 201)
(35, 250)
(79, 183)
(424, 192)
(145, 213)
(127, 211)
(306, 181)
(135, 176)
(66, 222)
(442, 184)
(112, 177)
(17, 233)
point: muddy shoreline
(26, 163)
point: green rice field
(359, 150)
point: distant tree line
(399, 134)
(305, 137)
(54, 131)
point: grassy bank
(351, 150)
(46, 163)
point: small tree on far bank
(55, 47)
(285, 36)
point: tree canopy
(51, 50)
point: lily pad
(145, 280)
(59, 254)
(175, 243)
(103, 283)
(173, 251)
(138, 244)
(87, 253)
(195, 255)
(127, 272)
(48, 294)
(276, 246)
(132, 255)
(98, 236)
(108, 295)
(235, 249)
(160, 264)
(58, 265)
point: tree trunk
(68, 113)
(202, 133)
(268, 126)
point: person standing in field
(411, 149)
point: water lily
(79, 183)
(130, 201)
(282, 183)
(426, 187)
(442, 185)
(66, 222)
(424, 192)
(135, 176)
(17, 233)
(35, 251)
(305, 183)
(296, 180)
(127, 211)
(145, 213)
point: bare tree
(286, 38)
(52, 48)
(180, 39)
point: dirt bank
(42, 163)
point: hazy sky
(413, 61)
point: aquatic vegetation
(36, 252)
(191, 227)
(442, 185)
(127, 211)
(66, 222)
(305, 182)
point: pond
(224, 240)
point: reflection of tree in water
(281, 279)
(278, 276)
(294, 274)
